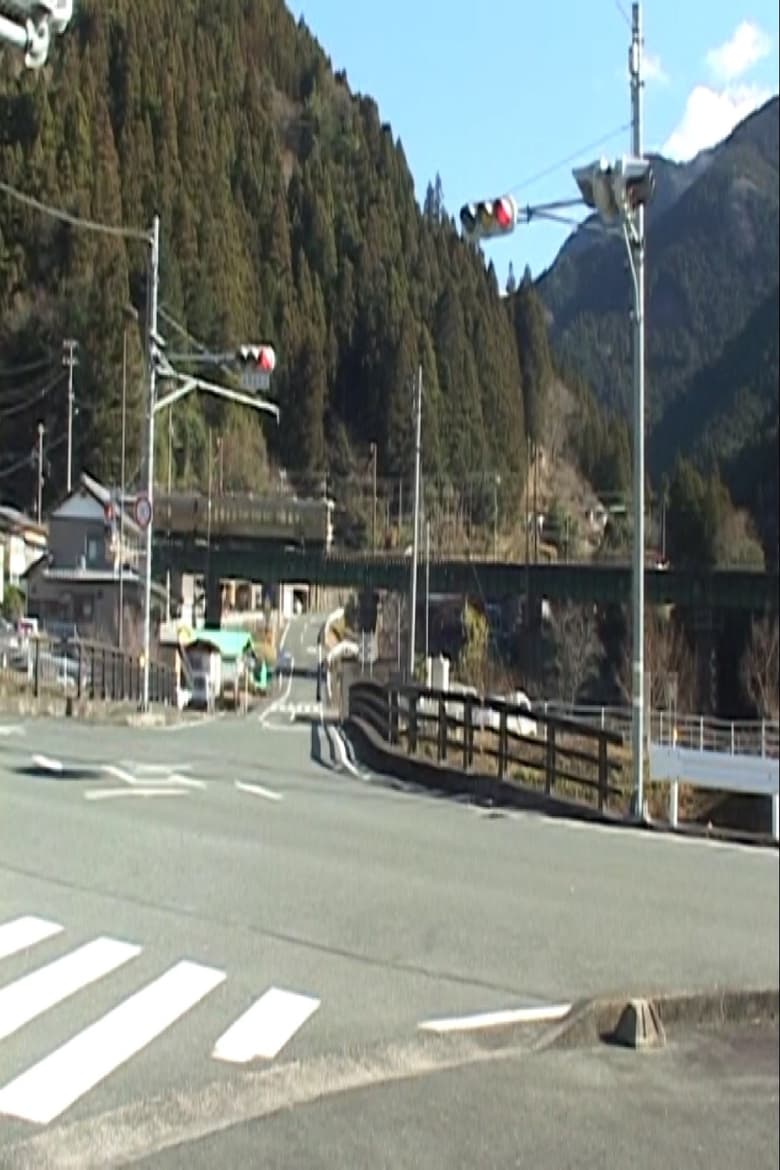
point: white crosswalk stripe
(47, 1089)
(41, 1093)
(33, 994)
(264, 1030)
(21, 933)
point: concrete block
(640, 1026)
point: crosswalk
(47, 1088)
(291, 711)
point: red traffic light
(491, 217)
(504, 213)
(262, 356)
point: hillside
(288, 215)
(712, 260)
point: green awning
(227, 643)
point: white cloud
(710, 116)
(748, 45)
(653, 69)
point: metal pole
(69, 360)
(637, 254)
(416, 534)
(373, 515)
(122, 494)
(154, 280)
(41, 430)
(427, 585)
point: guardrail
(760, 737)
(567, 758)
(83, 670)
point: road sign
(143, 511)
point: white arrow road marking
(270, 1023)
(21, 933)
(258, 790)
(49, 1087)
(35, 993)
(527, 1015)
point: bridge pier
(213, 602)
(706, 645)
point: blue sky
(490, 95)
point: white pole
(638, 582)
(154, 280)
(69, 360)
(416, 536)
(122, 494)
(427, 585)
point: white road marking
(269, 1024)
(153, 769)
(135, 792)
(49, 1087)
(21, 933)
(527, 1015)
(282, 698)
(48, 764)
(8, 729)
(258, 790)
(33, 994)
(172, 780)
(343, 756)
(191, 724)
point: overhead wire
(30, 458)
(31, 400)
(59, 213)
(569, 158)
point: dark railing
(471, 733)
(85, 670)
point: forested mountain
(712, 260)
(288, 215)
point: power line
(623, 12)
(77, 221)
(26, 461)
(27, 368)
(29, 402)
(550, 170)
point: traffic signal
(263, 357)
(612, 189)
(491, 217)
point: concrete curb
(86, 711)
(595, 1021)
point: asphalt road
(204, 924)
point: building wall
(70, 540)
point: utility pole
(151, 344)
(637, 245)
(416, 535)
(41, 431)
(69, 359)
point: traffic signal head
(491, 217)
(263, 357)
(613, 190)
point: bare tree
(759, 668)
(669, 661)
(577, 649)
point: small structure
(216, 662)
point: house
(92, 567)
(216, 662)
(22, 543)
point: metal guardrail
(760, 737)
(467, 731)
(83, 670)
